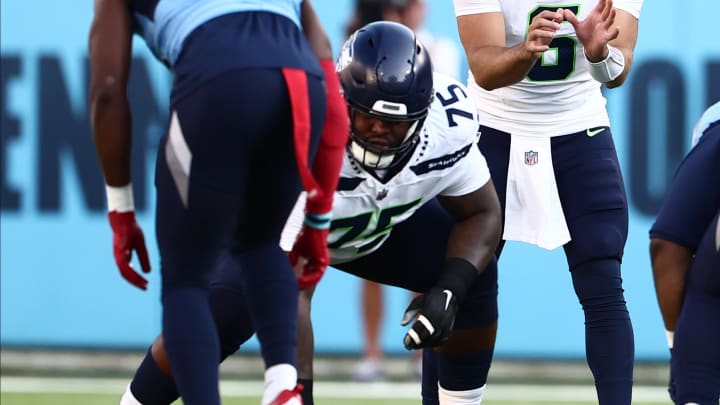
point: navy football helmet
(385, 73)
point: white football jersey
(445, 162)
(558, 96)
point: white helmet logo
(345, 55)
(390, 108)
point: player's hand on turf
(311, 250)
(128, 237)
(433, 314)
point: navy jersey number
(564, 48)
(358, 224)
(453, 98)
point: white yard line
(506, 392)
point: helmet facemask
(375, 157)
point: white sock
(278, 378)
(469, 397)
(128, 398)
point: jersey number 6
(562, 65)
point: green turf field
(26, 390)
(95, 399)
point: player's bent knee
(232, 321)
(464, 367)
(160, 355)
(479, 309)
(470, 340)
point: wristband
(120, 199)
(670, 336)
(609, 68)
(318, 221)
(457, 276)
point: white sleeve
(470, 174)
(445, 57)
(466, 7)
(293, 224)
(631, 6)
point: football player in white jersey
(413, 138)
(414, 208)
(446, 58)
(536, 69)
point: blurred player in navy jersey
(247, 108)
(685, 253)
(536, 69)
(412, 140)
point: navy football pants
(593, 198)
(227, 178)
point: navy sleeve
(694, 196)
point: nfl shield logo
(382, 194)
(531, 158)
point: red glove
(127, 236)
(311, 248)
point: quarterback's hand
(434, 316)
(311, 249)
(542, 31)
(127, 236)
(595, 31)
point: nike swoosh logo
(592, 132)
(448, 297)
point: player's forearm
(326, 169)
(330, 154)
(670, 264)
(110, 121)
(109, 45)
(475, 239)
(495, 67)
(625, 42)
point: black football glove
(434, 316)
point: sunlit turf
(98, 399)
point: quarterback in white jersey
(536, 71)
(562, 74)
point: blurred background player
(535, 73)
(413, 138)
(444, 52)
(217, 190)
(445, 56)
(685, 253)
